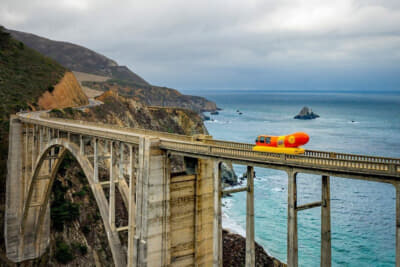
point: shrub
(63, 252)
(83, 249)
(85, 229)
(62, 210)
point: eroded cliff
(66, 93)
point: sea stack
(306, 114)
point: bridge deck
(382, 169)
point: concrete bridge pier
(152, 207)
(14, 203)
(397, 186)
(293, 208)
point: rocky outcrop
(234, 252)
(306, 114)
(127, 112)
(67, 93)
(228, 175)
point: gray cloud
(300, 44)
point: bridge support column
(204, 217)
(397, 186)
(14, 202)
(217, 232)
(152, 209)
(326, 223)
(34, 139)
(292, 243)
(81, 145)
(111, 202)
(250, 247)
(131, 209)
(40, 139)
(27, 164)
(95, 161)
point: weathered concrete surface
(204, 213)
(174, 220)
(182, 220)
(14, 202)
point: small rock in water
(306, 114)
(214, 113)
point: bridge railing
(136, 131)
(313, 153)
(244, 151)
(334, 164)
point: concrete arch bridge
(174, 220)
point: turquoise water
(363, 213)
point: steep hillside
(130, 113)
(78, 58)
(154, 95)
(67, 93)
(26, 76)
(123, 80)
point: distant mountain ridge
(122, 79)
(78, 58)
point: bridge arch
(63, 146)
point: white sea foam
(228, 222)
(217, 122)
(278, 189)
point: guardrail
(313, 153)
(331, 164)
(201, 145)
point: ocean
(362, 213)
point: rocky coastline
(234, 252)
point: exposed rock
(67, 93)
(228, 175)
(214, 113)
(244, 176)
(127, 112)
(205, 117)
(306, 114)
(234, 252)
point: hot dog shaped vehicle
(288, 144)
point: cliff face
(67, 93)
(130, 113)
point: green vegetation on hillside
(24, 76)
(78, 58)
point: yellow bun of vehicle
(286, 150)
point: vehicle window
(262, 139)
(268, 140)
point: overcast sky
(215, 44)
